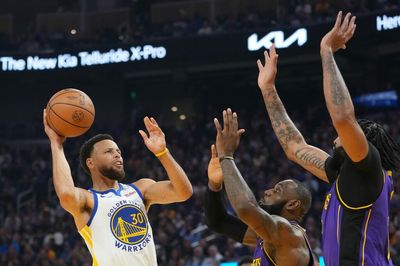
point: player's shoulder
(286, 232)
(143, 183)
(288, 228)
(85, 194)
(371, 161)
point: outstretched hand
(267, 72)
(215, 174)
(228, 138)
(340, 34)
(154, 139)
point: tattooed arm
(337, 96)
(272, 229)
(291, 140)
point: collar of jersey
(116, 192)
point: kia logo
(277, 37)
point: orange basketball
(70, 112)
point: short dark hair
(304, 195)
(389, 150)
(87, 148)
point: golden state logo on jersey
(130, 226)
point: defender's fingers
(143, 134)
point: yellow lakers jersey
(118, 232)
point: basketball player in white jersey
(112, 217)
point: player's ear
(89, 163)
(293, 204)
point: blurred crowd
(140, 26)
(35, 231)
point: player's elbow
(291, 155)
(343, 117)
(186, 193)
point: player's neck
(103, 183)
(290, 217)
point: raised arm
(272, 229)
(291, 140)
(217, 217)
(72, 199)
(337, 96)
(178, 188)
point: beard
(112, 173)
(273, 209)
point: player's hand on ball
(340, 34)
(70, 112)
(53, 136)
(154, 139)
(215, 175)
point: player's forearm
(239, 194)
(177, 176)
(337, 96)
(283, 126)
(62, 178)
(218, 219)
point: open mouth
(118, 163)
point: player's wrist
(325, 49)
(226, 157)
(56, 145)
(161, 153)
(213, 186)
(267, 87)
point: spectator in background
(214, 256)
(303, 11)
(197, 259)
(205, 28)
(322, 10)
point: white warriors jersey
(118, 232)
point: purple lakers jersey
(262, 258)
(259, 257)
(356, 236)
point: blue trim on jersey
(94, 208)
(118, 192)
(137, 190)
(109, 190)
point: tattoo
(333, 82)
(236, 188)
(241, 197)
(336, 89)
(309, 157)
(284, 128)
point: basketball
(70, 112)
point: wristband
(227, 157)
(161, 153)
